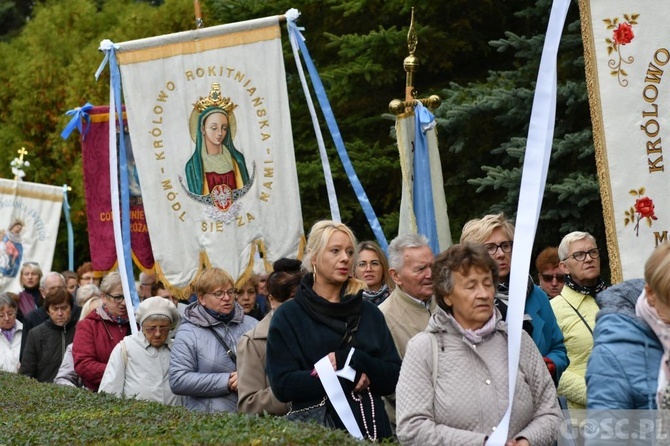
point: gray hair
(46, 276)
(110, 281)
(564, 247)
(400, 244)
(145, 276)
(90, 305)
(7, 301)
(86, 292)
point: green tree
(486, 124)
(358, 46)
(48, 69)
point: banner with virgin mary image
(211, 134)
(29, 218)
(627, 56)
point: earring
(314, 266)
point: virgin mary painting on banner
(216, 173)
(210, 128)
(29, 218)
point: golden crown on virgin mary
(215, 99)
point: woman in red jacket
(98, 334)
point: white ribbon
(533, 179)
(292, 15)
(335, 393)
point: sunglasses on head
(550, 277)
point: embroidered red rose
(623, 34)
(645, 207)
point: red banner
(95, 156)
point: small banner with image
(29, 218)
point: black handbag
(316, 414)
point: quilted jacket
(469, 396)
(622, 372)
(199, 366)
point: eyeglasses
(492, 248)
(8, 315)
(374, 264)
(116, 297)
(233, 292)
(152, 330)
(580, 256)
(551, 277)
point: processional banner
(423, 206)
(95, 155)
(29, 218)
(210, 128)
(627, 51)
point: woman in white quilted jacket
(453, 386)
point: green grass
(33, 413)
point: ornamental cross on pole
(18, 164)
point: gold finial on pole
(22, 151)
(411, 66)
(411, 62)
(198, 14)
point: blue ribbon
(337, 138)
(70, 232)
(78, 114)
(424, 207)
(110, 56)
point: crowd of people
(412, 345)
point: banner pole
(198, 14)
(411, 62)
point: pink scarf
(478, 335)
(648, 313)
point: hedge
(33, 413)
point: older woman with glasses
(10, 339)
(576, 308)
(203, 360)
(372, 267)
(496, 233)
(98, 334)
(138, 366)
